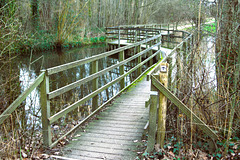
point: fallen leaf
(202, 155)
(169, 147)
(171, 154)
(78, 135)
(24, 155)
(165, 157)
(44, 156)
(157, 147)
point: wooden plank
(124, 110)
(133, 126)
(116, 114)
(112, 132)
(94, 70)
(78, 140)
(121, 147)
(184, 108)
(111, 136)
(122, 122)
(103, 149)
(79, 157)
(77, 153)
(21, 98)
(109, 128)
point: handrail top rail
(73, 64)
(140, 25)
(142, 29)
(146, 29)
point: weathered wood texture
(116, 131)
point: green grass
(210, 27)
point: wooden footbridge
(116, 126)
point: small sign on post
(163, 68)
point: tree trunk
(35, 14)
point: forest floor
(181, 149)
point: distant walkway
(117, 129)
(164, 50)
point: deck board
(115, 131)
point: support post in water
(162, 110)
(45, 106)
(152, 120)
(121, 69)
(94, 85)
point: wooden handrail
(21, 98)
(183, 108)
(81, 101)
(95, 75)
(70, 65)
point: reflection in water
(32, 103)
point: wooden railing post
(170, 69)
(184, 53)
(127, 36)
(135, 40)
(162, 110)
(178, 79)
(121, 69)
(150, 53)
(159, 47)
(139, 60)
(152, 120)
(168, 37)
(135, 35)
(118, 37)
(45, 110)
(94, 85)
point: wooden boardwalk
(164, 50)
(116, 131)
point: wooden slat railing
(21, 98)
(139, 32)
(161, 88)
